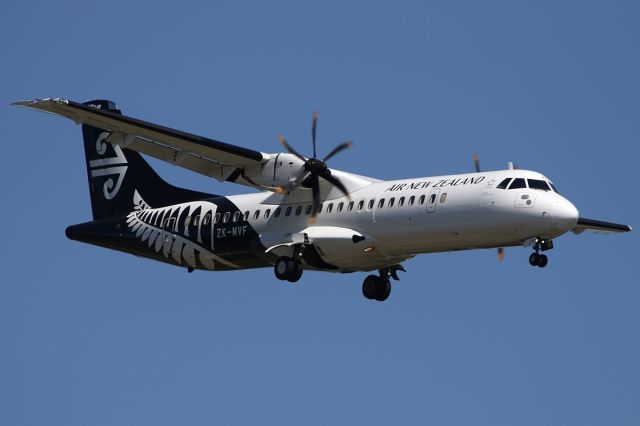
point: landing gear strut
(289, 268)
(537, 259)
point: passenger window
(277, 212)
(518, 183)
(371, 203)
(401, 202)
(308, 211)
(360, 205)
(381, 203)
(267, 213)
(246, 216)
(216, 218)
(391, 201)
(330, 208)
(538, 184)
(256, 215)
(225, 218)
(320, 208)
(350, 206)
(340, 207)
(298, 210)
(443, 198)
(236, 216)
(207, 219)
(504, 184)
(432, 199)
(412, 200)
(288, 211)
(421, 199)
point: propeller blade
(336, 182)
(315, 190)
(500, 254)
(476, 162)
(300, 179)
(314, 129)
(288, 147)
(337, 149)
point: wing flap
(598, 226)
(148, 134)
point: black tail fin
(118, 176)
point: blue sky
(94, 337)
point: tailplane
(120, 179)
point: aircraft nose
(564, 215)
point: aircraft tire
(533, 259)
(383, 290)
(296, 271)
(370, 287)
(283, 268)
(543, 260)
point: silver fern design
(167, 231)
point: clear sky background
(95, 337)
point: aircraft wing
(598, 226)
(209, 157)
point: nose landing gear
(537, 259)
(379, 287)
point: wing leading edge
(598, 226)
(206, 156)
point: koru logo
(109, 166)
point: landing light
(368, 249)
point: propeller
(476, 164)
(314, 169)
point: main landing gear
(288, 269)
(379, 287)
(538, 259)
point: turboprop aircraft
(305, 215)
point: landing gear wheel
(283, 268)
(543, 260)
(296, 271)
(534, 259)
(370, 286)
(375, 287)
(287, 269)
(384, 290)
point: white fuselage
(431, 214)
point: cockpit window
(538, 184)
(518, 183)
(554, 188)
(504, 184)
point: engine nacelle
(280, 170)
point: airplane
(305, 215)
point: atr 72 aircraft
(306, 215)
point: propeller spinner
(314, 169)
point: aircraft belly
(461, 228)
